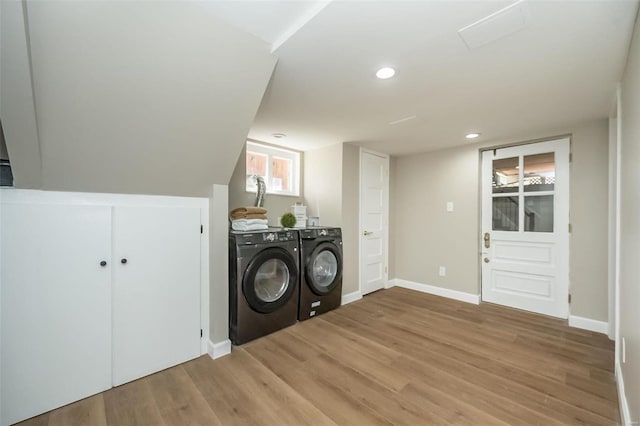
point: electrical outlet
(623, 349)
(443, 271)
(449, 206)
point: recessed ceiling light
(386, 72)
(472, 135)
(279, 135)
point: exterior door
(156, 293)
(525, 221)
(374, 214)
(56, 306)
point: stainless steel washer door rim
(323, 271)
(325, 268)
(272, 279)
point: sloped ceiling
(17, 108)
(139, 97)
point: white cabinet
(156, 293)
(73, 326)
(56, 306)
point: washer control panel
(311, 233)
(266, 237)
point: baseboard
(220, 349)
(622, 397)
(438, 291)
(351, 297)
(588, 324)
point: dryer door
(324, 268)
(270, 280)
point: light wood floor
(395, 357)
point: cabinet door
(156, 298)
(56, 306)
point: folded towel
(244, 227)
(240, 222)
(256, 216)
(242, 212)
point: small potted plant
(288, 220)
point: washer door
(270, 280)
(324, 268)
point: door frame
(361, 263)
(481, 151)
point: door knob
(486, 260)
(123, 260)
(487, 240)
(367, 233)
(103, 263)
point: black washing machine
(263, 283)
(321, 276)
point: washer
(321, 277)
(263, 283)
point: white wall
(425, 236)
(275, 204)
(588, 242)
(131, 97)
(350, 218)
(612, 263)
(219, 264)
(629, 296)
(323, 184)
(332, 191)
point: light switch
(449, 206)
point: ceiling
(561, 67)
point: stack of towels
(249, 219)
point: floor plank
(89, 411)
(395, 357)
(132, 404)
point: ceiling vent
(502, 23)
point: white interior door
(374, 214)
(156, 316)
(525, 221)
(56, 306)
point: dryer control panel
(266, 237)
(309, 234)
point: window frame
(273, 152)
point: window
(280, 169)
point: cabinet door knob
(103, 263)
(123, 260)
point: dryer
(321, 275)
(263, 283)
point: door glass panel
(539, 172)
(506, 175)
(256, 166)
(272, 279)
(505, 213)
(325, 268)
(538, 213)
(282, 172)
